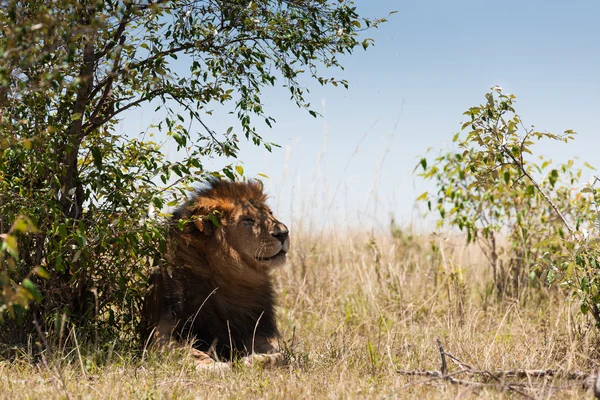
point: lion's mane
(206, 291)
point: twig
(515, 373)
(539, 189)
(458, 362)
(436, 375)
(542, 373)
(444, 368)
(469, 383)
(499, 376)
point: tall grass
(353, 309)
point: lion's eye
(248, 221)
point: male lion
(216, 288)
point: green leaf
(228, 173)
(62, 231)
(215, 221)
(550, 276)
(76, 256)
(10, 244)
(553, 177)
(32, 289)
(585, 287)
(530, 191)
(41, 272)
(584, 308)
(20, 225)
(506, 176)
(97, 155)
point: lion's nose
(281, 233)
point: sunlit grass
(353, 309)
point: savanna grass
(354, 309)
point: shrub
(491, 187)
(77, 234)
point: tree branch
(197, 117)
(521, 167)
(91, 125)
(69, 179)
(107, 89)
(117, 38)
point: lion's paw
(216, 366)
(271, 360)
(204, 362)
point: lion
(216, 286)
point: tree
(524, 214)
(74, 195)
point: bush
(491, 187)
(75, 197)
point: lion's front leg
(205, 361)
(271, 360)
(265, 352)
(162, 338)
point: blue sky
(430, 62)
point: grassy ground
(354, 310)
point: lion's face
(258, 237)
(246, 230)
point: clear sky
(430, 62)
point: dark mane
(200, 290)
(223, 192)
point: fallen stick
(589, 380)
(514, 373)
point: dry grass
(353, 310)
